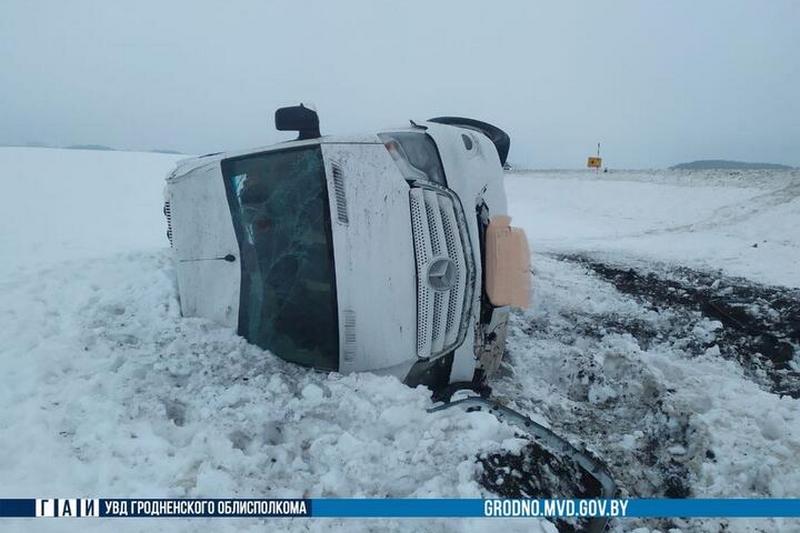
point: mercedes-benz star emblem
(442, 274)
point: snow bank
(624, 378)
(107, 391)
(628, 378)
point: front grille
(439, 231)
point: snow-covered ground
(78, 204)
(106, 391)
(643, 380)
(708, 220)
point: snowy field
(108, 392)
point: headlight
(415, 155)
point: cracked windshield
(280, 211)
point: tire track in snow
(759, 325)
(649, 389)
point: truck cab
(389, 252)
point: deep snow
(646, 385)
(108, 392)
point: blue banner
(398, 508)
(476, 508)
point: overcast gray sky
(656, 82)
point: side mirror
(300, 119)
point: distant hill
(101, 147)
(108, 148)
(88, 147)
(706, 164)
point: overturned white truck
(389, 252)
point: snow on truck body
(350, 253)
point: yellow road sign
(594, 162)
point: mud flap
(552, 443)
